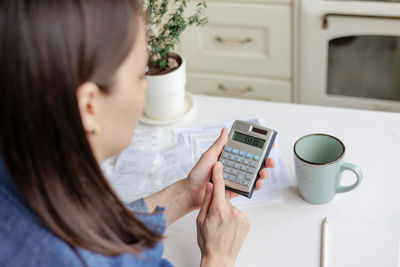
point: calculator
(244, 156)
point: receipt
(142, 169)
(201, 138)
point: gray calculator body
(244, 156)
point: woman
(72, 91)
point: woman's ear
(88, 101)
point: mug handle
(356, 170)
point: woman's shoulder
(25, 241)
(156, 220)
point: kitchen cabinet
(244, 51)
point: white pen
(324, 240)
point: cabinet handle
(233, 90)
(325, 17)
(232, 42)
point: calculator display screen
(247, 139)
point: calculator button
(243, 168)
(246, 161)
(232, 157)
(234, 171)
(235, 151)
(239, 180)
(223, 161)
(227, 169)
(239, 159)
(229, 163)
(236, 165)
(242, 153)
(249, 155)
(245, 183)
(225, 155)
(247, 176)
(256, 157)
(251, 170)
(253, 164)
(240, 175)
(225, 175)
(228, 149)
(232, 178)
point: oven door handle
(325, 17)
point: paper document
(269, 192)
(130, 172)
(181, 155)
(168, 173)
(145, 138)
(141, 169)
(201, 138)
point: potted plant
(165, 21)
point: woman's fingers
(221, 234)
(216, 148)
(258, 184)
(264, 173)
(206, 203)
(229, 195)
(204, 165)
(270, 163)
(219, 184)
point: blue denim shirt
(25, 241)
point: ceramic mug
(319, 164)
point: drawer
(239, 87)
(250, 39)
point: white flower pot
(166, 94)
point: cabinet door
(350, 58)
(239, 87)
(251, 39)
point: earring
(96, 130)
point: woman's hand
(187, 194)
(221, 228)
(200, 175)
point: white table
(364, 223)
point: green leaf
(163, 64)
(169, 18)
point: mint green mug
(319, 164)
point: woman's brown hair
(47, 49)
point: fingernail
(208, 188)
(218, 164)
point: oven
(349, 54)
